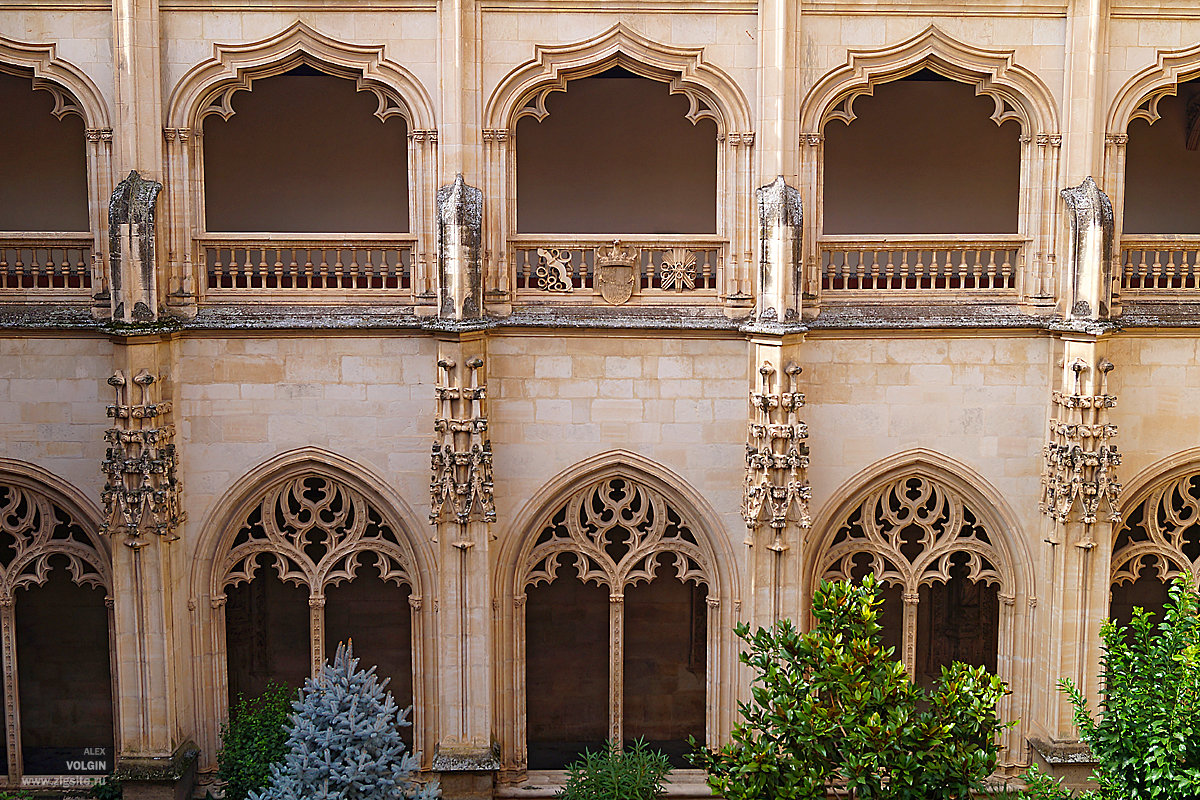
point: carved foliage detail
(1081, 459)
(616, 533)
(315, 530)
(911, 533)
(1162, 533)
(460, 488)
(141, 491)
(776, 484)
(34, 532)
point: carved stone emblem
(616, 271)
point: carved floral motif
(460, 488)
(678, 270)
(141, 492)
(553, 271)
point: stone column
(460, 261)
(1086, 65)
(143, 514)
(1080, 492)
(132, 251)
(779, 90)
(138, 123)
(780, 221)
(462, 510)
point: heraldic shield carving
(616, 271)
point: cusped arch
(1017, 92)
(1161, 509)
(73, 91)
(272, 508)
(685, 541)
(43, 517)
(711, 92)
(946, 481)
(208, 87)
(1139, 96)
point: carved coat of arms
(616, 272)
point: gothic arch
(260, 524)
(74, 92)
(1165, 497)
(1017, 92)
(209, 86)
(1138, 97)
(711, 92)
(958, 512)
(676, 534)
(42, 518)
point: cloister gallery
(534, 344)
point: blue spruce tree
(345, 741)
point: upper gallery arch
(1016, 91)
(208, 87)
(1138, 98)
(73, 91)
(711, 92)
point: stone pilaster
(462, 511)
(143, 514)
(1080, 491)
(776, 492)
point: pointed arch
(1017, 92)
(684, 540)
(712, 93)
(262, 521)
(1139, 96)
(1160, 523)
(74, 92)
(966, 515)
(209, 86)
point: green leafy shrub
(1147, 743)
(614, 774)
(253, 740)
(831, 706)
(107, 788)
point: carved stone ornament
(315, 530)
(1081, 459)
(131, 214)
(1162, 533)
(33, 529)
(460, 488)
(776, 486)
(141, 493)
(616, 272)
(616, 533)
(553, 271)
(678, 270)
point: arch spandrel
(209, 86)
(1017, 92)
(711, 92)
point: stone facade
(208, 436)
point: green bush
(1147, 743)
(831, 706)
(615, 774)
(107, 788)
(253, 740)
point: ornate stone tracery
(619, 531)
(911, 532)
(1161, 533)
(315, 529)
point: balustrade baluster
(1156, 269)
(1169, 270)
(5, 278)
